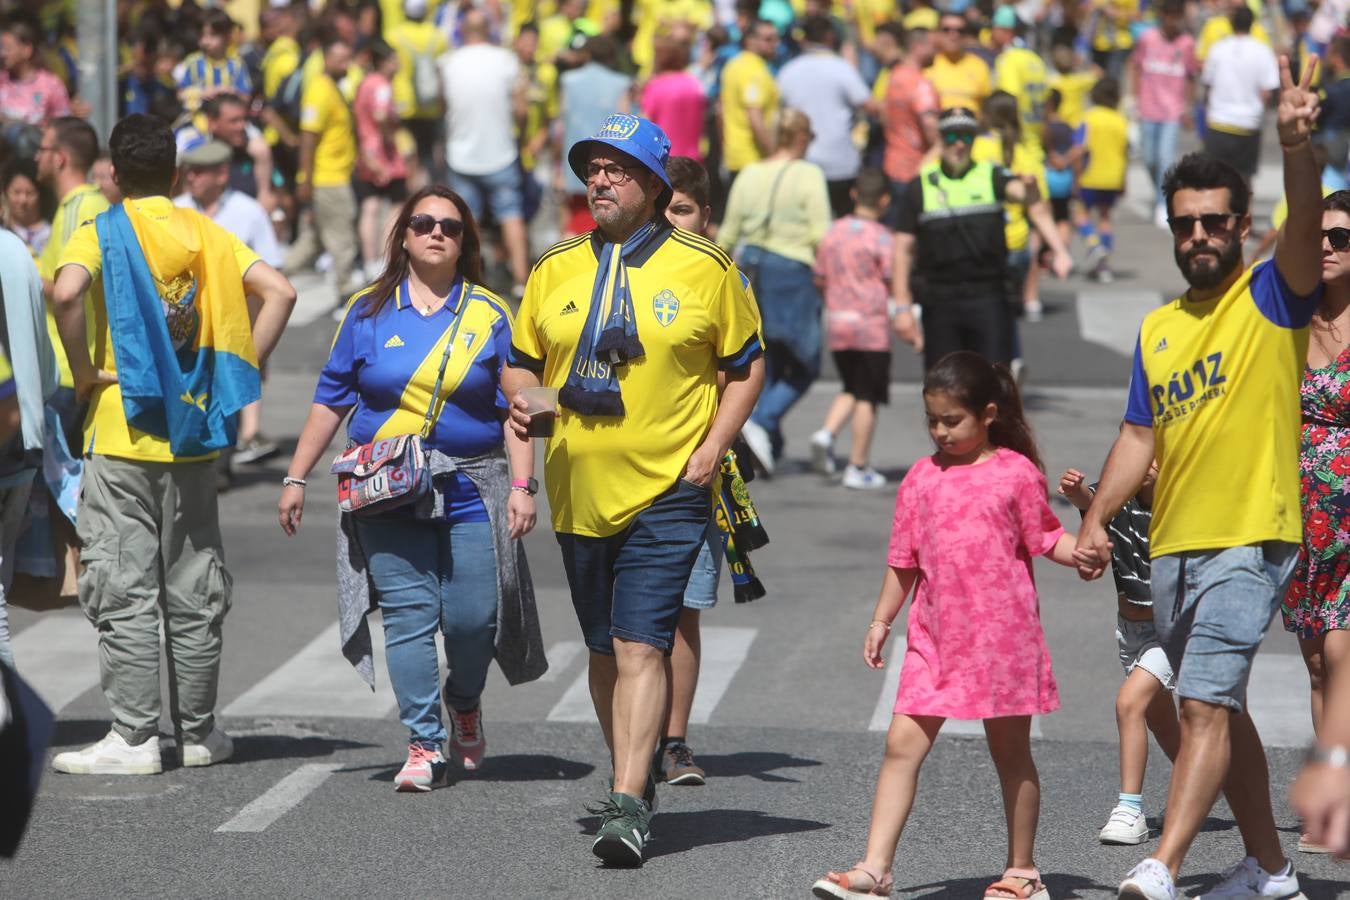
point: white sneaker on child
(1150, 880)
(1124, 826)
(1248, 879)
(860, 479)
(822, 453)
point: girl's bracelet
(881, 622)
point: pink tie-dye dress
(976, 647)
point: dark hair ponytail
(974, 382)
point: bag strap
(773, 200)
(432, 415)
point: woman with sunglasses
(1317, 606)
(442, 570)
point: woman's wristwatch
(1336, 756)
(526, 486)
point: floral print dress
(1317, 600)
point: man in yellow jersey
(1214, 397)
(147, 520)
(323, 181)
(1021, 72)
(749, 99)
(961, 78)
(633, 323)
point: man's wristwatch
(527, 485)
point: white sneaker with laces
(1150, 880)
(822, 453)
(112, 756)
(1248, 879)
(868, 479)
(216, 748)
(761, 446)
(1124, 826)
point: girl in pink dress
(968, 521)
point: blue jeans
(1159, 140)
(701, 592)
(429, 577)
(500, 191)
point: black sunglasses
(1214, 224)
(1338, 238)
(423, 224)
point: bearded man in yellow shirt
(961, 78)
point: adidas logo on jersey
(394, 341)
(1162, 345)
(570, 308)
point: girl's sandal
(1018, 884)
(847, 886)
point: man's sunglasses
(1214, 224)
(953, 137)
(1338, 238)
(423, 224)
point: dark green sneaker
(625, 824)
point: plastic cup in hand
(541, 405)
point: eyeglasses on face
(1338, 238)
(1214, 224)
(423, 224)
(957, 137)
(615, 174)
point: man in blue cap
(633, 323)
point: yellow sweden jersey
(1219, 384)
(693, 317)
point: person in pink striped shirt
(1164, 74)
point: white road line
(560, 658)
(1277, 698)
(575, 705)
(59, 657)
(723, 652)
(884, 710)
(319, 682)
(281, 798)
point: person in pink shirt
(911, 109)
(673, 98)
(381, 170)
(1164, 72)
(29, 94)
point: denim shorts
(500, 191)
(701, 593)
(631, 585)
(1139, 647)
(1211, 609)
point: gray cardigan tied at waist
(519, 645)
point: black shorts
(395, 191)
(1241, 151)
(1059, 208)
(866, 374)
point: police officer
(950, 253)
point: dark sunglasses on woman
(1338, 238)
(423, 224)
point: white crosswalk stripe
(1278, 699)
(58, 655)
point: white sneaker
(868, 479)
(1150, 880)
(761, 447)
(112, 756)
(1248, 879)
(1124, 826)
(216, 748)
(822, 453)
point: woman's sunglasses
(1214, 224)
(1338, 238)
(423, 224)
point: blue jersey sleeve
(337, 381)
(1080, 135)
(1139, 405)
(1276, 299)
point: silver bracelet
(1337, 756)
(288, 481)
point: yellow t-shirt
(1105, 134)
(325, 113)
(1113, 18)
(1219, 384)
(925, 17)
(391, 14)
(1218, 27)
(77, 208)
(653, 16)
(409, 40)
(1073, 88)
(693, 317)
(747, 84)
(965, 82)
(1281, 210)
(106, 431)
(281, 59)
(1016, 227)
(867, 14)
(1021, 72)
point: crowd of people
(740, 186)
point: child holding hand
(969, 519)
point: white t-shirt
(480, 128)
(825, 87)
(1237, 69)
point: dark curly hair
(144, 156)
(1200, 172)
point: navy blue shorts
(631, 585)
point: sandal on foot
(1018, 884)
(844, 886)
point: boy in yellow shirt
(1101, 151)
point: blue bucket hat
(639, 138)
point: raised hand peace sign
(1299, 106)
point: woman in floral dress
(1317, 607)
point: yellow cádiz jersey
(1219, 382)
(961, 83)
(693, 317)
(747, 84)
(1021, 72)
(1105, 135)
(1073, 88)
(78, 207)
(323, 112)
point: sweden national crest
(666, 306)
